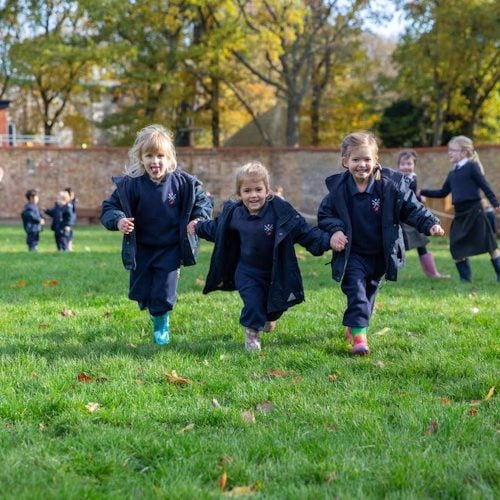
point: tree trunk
(315, 104)
(214, 106)
(292, 122)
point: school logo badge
(171, 197)
(376, 204)
(268, 229)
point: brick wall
(301, 172)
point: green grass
(409, 421)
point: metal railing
(28, 140)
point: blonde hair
(359, 139)
(151, 139)
(467, 146)
(63, 196)
(254, 170)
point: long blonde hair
(466, 145)
(151, 139)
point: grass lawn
(87, 409)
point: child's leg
(428, 264)
(253, 287)
(360, 285)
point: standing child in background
(363, 210)
(72, 201)
(254, 251)
(471, 232)
(407, 161)
(62, 221)
(32, 220)
(152, 205)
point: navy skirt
(470, 232)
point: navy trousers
(32, 240)
(253, 286)
(360, 284)
(153, 284)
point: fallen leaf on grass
(215, 403)
(225, 460)
(240, 490)
(331, 477)
(67, 312)
(379, 364)
(34, 374)
(265, 407)
(475, 402)
(445, 401)
(50, 283)
(42, 426)
(474, 310)
(490, 394)
(173, 378)
(185, 429)
(383, 331)
(83, 377)
(277, 374)
(248, 417)
(200, 281)
(472, 412)
(333, 377)
(223, 481)
(432, 427)
(92, 407)
(19, 284)
(43, 325)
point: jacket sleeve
(484, 185)
(30, 215)
(207, 229)
(414, 213)
(111, 212)
(328, 219)
(202, 207)
(310, 237)
(50, 211)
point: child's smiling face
(253, 194)
(155, 163)
(407, 165)
(360, 162)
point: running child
(363, 210)
(152, 205)
(254, 251)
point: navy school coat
(194, 205)
(399, 204)
(286, 282)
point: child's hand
(42, 222)
(497, 210)
(126, 225)
(191, 227)
(338, 241)
(437, 230)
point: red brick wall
(301, 172)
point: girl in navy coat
(471, 232)
(152, 205)
(363, 210)
(254, 251)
